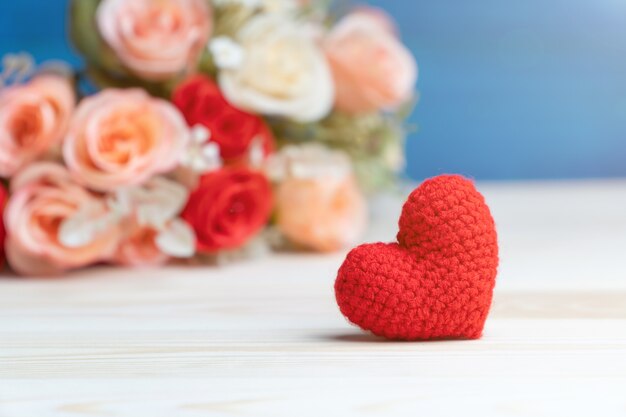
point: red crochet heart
(437, 281)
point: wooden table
(264, 337)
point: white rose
(282, 71)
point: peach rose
(123, 137)
(53, 224)
(372, 69)
(33, 118)
(3, 200)
(318, 203)
(139, 248)
(156, 40)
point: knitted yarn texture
(437, 281)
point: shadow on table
(355, 337)
(361, 337)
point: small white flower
(120, 204)
(177, 239)
(82, 228)
(16, 68)
(200, 134)
(256, 153)
(202, 155)
(155, 203)
(394, 158)
(227, 53)
(307, 162)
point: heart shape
(437, 281)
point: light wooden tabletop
(264, 337)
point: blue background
(509, 89)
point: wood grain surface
(264, 337)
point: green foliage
(86, 38)
(229, 18)
(375, 142)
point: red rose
(201, 102)
(199, 99)
(228, 207)
(3, 200)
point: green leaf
(86, 38)
(103, 79)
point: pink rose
(372, 69)
(53, 224)
(33, 118)
(156, 40)
(123, 137)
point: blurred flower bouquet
(215, 126)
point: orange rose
(318, 203)
(123, 137)
(33, 118)
(323, 214)
(53, 224)
(372, 69)
(156, 39)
